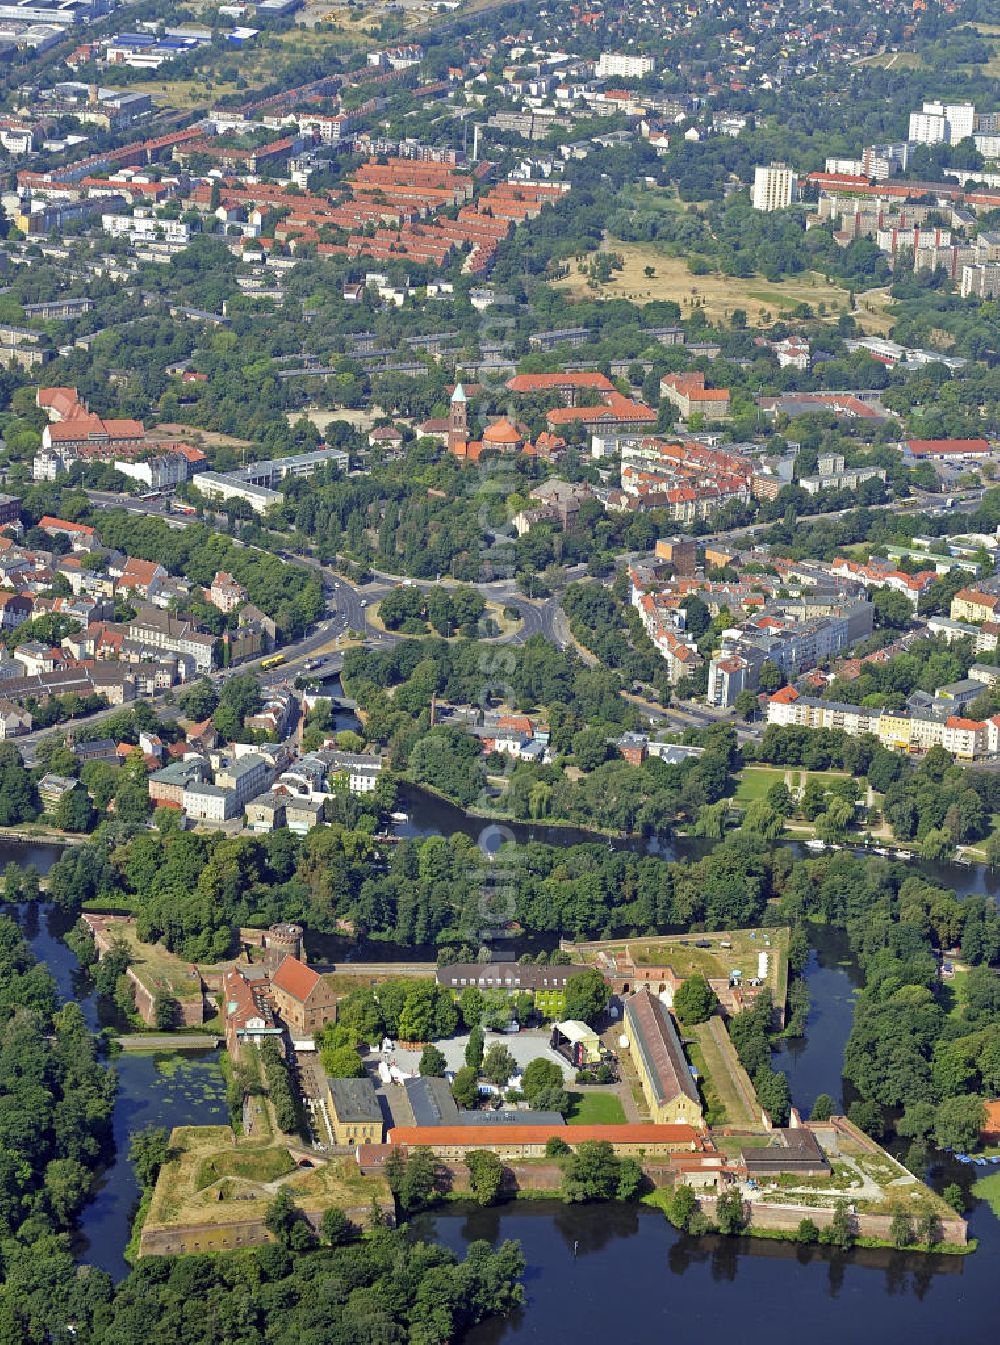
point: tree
(823, 1108)
(342, 1062)
(167, 1011)
(807, 1232)
(420, 1180)
(695, 1001)
(485, 1175)
(892, 609)
(465, 1088)
(590, 1173)
(148, 1150)
(335, 1229)
(475, 1048)
(590, 748)
(958, 1122)
(730, 1211)
(746, 705)
(770, 679)
(432, 1062)
(542, 1084)
(954, 1196)
(470, 1004)
(901, 1229)
(587, 996)
(17, 794)
(499, 1065)
(281, 1215)
(631, 1179)
(74, 811)
(840, 1230)
(780, 798)
(683, 1204)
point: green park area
(595, 1109)
(753, 782)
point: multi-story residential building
(728, 675)
(167, 786)
(981, 281)
(967, 739)
(359, 769)
(266, 812)
(163, 630)
(942, 123)
(620, 64)
(973, 604)
(831, 474)
(145, 226)
(206, 802)
(14, 720)
(225, 593)
(774, 187)
(786, 635)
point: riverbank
(782, 1225)
(28, 833)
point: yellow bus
(274, 661)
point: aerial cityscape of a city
(499, 671)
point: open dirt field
(719, 294)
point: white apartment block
(981, 282)
(774, 186)
(942, 123)
(850, 167)
(143, 226)
(627, 67)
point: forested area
(385, 1287)
(55, 1109)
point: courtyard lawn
(595, 1109)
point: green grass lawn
(254, 1165)
(595, 1109)
(753, 782)
(988, 1189)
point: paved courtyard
(523, 1046)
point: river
(622, 1274)
(428, 815)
